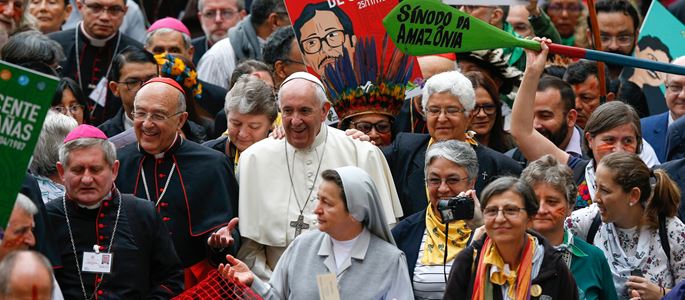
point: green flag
(25, 98)
(423, 27)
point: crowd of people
(214, 140)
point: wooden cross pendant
(299, 225)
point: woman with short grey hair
(251, 111)
(45, 156)
(556, 191)
(451, 168)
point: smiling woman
(51, 14)
(509, 262)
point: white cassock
(268, 204)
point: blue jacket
(654, 129)
(408, 234)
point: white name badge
(99, 93)
(328, 287)
(97, 262)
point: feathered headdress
(368, 86)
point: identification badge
(99, 93)
(328, 287)
(97, 262)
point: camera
(456, 208)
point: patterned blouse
(635, 249)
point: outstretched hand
(358, 135)
(236, 269)
(223, 237)
(536, 61)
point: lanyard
(78, 58)
(73, 243)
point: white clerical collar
(128, 123)
(94, 41)
(320, 138)
(574, 143)
(96, 205)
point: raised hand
(223, 237)
(236, 269)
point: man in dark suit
(448, 100)
(655, 128)
(216, 17)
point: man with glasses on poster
(322, 33)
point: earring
(631, 204)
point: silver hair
(26, 204)
(107, 148)
(454, 83)
(187, 41)
(251, 96)
(45, 156)
(7, 266)
(319, 93)
(241, 5)
(548, 170)
(32, 46)
(458, 152)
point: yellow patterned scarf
(434, 250)
(519, 280)
(458, 235)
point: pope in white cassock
(278, 178)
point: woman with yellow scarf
(509, 262)
(451, 168)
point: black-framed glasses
(435, 182)
(135, 84)
(366, 127)
(488, 109)
(451, 111)
(225, 14)
(622, 40)
(559, 8)
(509, 211)
(334, 39)
(97, 8)
(71, 109)
(155, 117)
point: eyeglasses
(97, 8)
(366, 127)
(674, 88)
(154, 117)
(556, 9)
(435, 111)
(224, 13)
(435, 182)
(72, 109)
(622, 40)
(488, 109)
(507, 211)
(334, 39)
(135, 84)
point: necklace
(168, 179)
(300, 224)
(78, 58)
(73, 244)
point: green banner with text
(423, 27)
(25, 98)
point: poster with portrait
(324, 28)
(655, 43)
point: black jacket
(554, 277)
(406, 157)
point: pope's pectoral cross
(299, 225)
